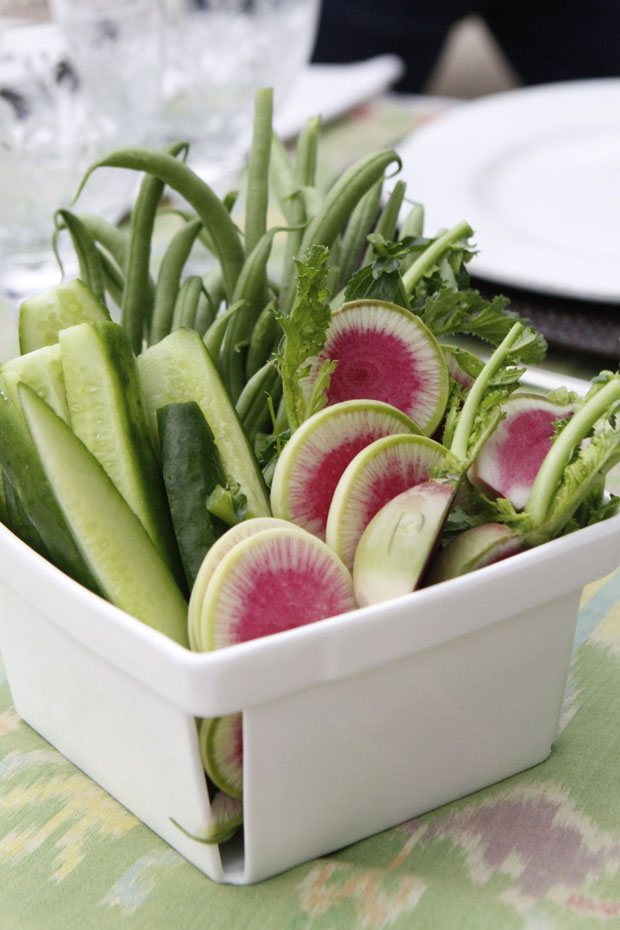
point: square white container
(351, 725)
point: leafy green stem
(427, 259)
(551, 472)
(465, 425)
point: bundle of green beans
(235, 301)
(232, 304)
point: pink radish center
(373, 364)
(281, 582)
(319, 492)
(512, 458)
(385, 354)
(395, 476)
(335, 443)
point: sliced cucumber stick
(191, 467)
(43, 316)
(128, 569)
(107, 413)
(42, 370)
(21, 464)
(179, 369)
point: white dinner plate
(536, 173)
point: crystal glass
(217, 53)
(50, 131)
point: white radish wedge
(474, 548)
(270, 582)
(210, 562)
(378, 473)
(396, 546)
(387, 353)
(317, 454)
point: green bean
(113, 278)
(137, 308)
(229, 200)
(186, 303)
(261, 340)
(306, 152)
(253, 275)
(214, 288)
(251, 287)
(205, 312)
(283, 181)
(231, 360)
(388, 219)
(199, 195)
(430, 255)
(302, 180)
(358, 227)
(252, 405)
(205, 237)
(344, 195)
(214, 336)
(114, 240)
(169, 279)
(292, 202)
(413, 224)
(257, 193)
(89, 258)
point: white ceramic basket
(350, 725)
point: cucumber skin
(102, 353)
(129, 570)
(42, 370)
(43, 316)
(20, 461)
(179, 368)
(191, 467)
(18, 521)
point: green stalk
(429, 257)
(549, 476)
(462, 433)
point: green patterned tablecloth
(539, 851)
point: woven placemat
(568, 324)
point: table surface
(540, 850)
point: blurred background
(470, 64)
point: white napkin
(330, 90)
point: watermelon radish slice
(221, 750)
(318, 452)
(474, 548)
(376, 475)
(405, 532)
(508, 463)
(210, 562)
(227, 816)
(273, 581)
(386, 353)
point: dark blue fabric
(544, 40)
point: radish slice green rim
(378, 473)
(273, 581)
(220, 741)
(210, 562)
(385, 352)
(317, 454)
